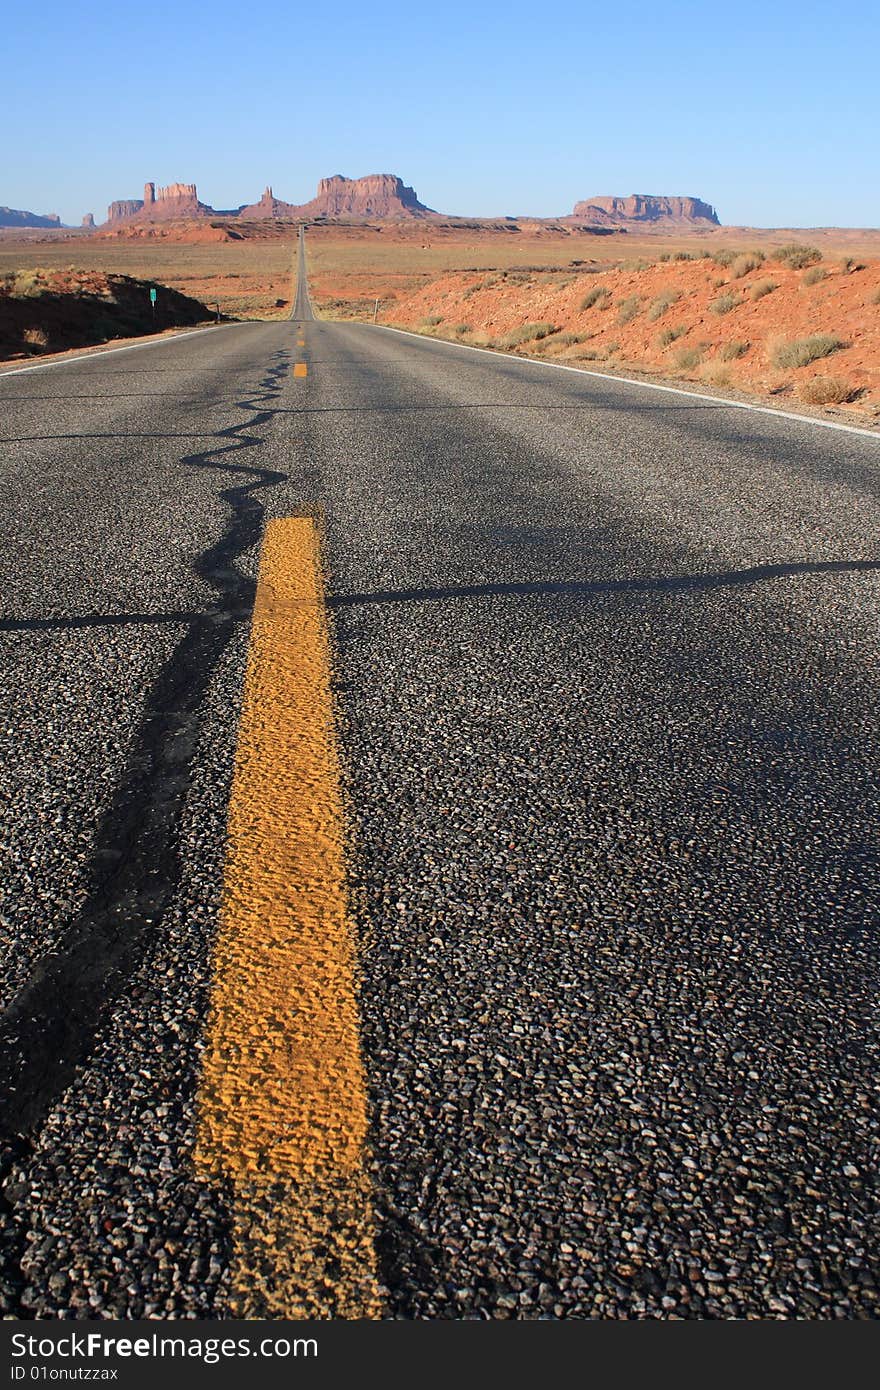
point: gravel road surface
(606, 664)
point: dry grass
(725, 303)
(685, 359)
(663, 302)
(762, 287)
(528, 333)
(800, 352)
(825, 390)
(814, 275)
(597, 298)
(669, 335)
(628, 308)
(797, 256)
(716, 373)
(733, 350)
(744, 265)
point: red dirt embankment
(792, 326)
(49, 311)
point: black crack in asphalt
(49, 1029)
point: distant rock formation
(641, 208)
(177, 200)
(123, 209)
(15, 217)
(376, 195)
(268, 206)
(89, 220)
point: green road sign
(152, 296)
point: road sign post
(153, 302)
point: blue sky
(769, 110)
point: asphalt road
(606, 664)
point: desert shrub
(848, 265)
(669, 335)
(729, 352)
(716, 373)
(611, 348)
(431, 321)
(685, 256)
(568, 339)
(801, 351)
(744, 265)
(797, 256)
(814, 275)
(459, 329)
(725, 258)
(687, 358)
(36, 337)
(762, 287)
(628, 308)
(825, 390)
(724, 303)
(598, 295)
(665, 256)
(529, 332)
(658, 307)
(588, 355)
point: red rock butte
(644, 208)
(177, 200)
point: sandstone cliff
(645, 208)
(375, 195)
(123, 209)
(89, 220)
(177, 200)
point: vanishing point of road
(439, 839)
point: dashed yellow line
(300, 369)
(282, 1102)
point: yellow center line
(300, 369)
(282, 1100)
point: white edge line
(87, 356)
(633, 381)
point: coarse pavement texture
(606, 672)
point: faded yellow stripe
(300, 369)
(282, 1104)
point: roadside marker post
(153, 301)
(376, 312)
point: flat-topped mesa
(642, 208)
(177, 200)
(89, 220)
(19, 217)
(375, 195)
